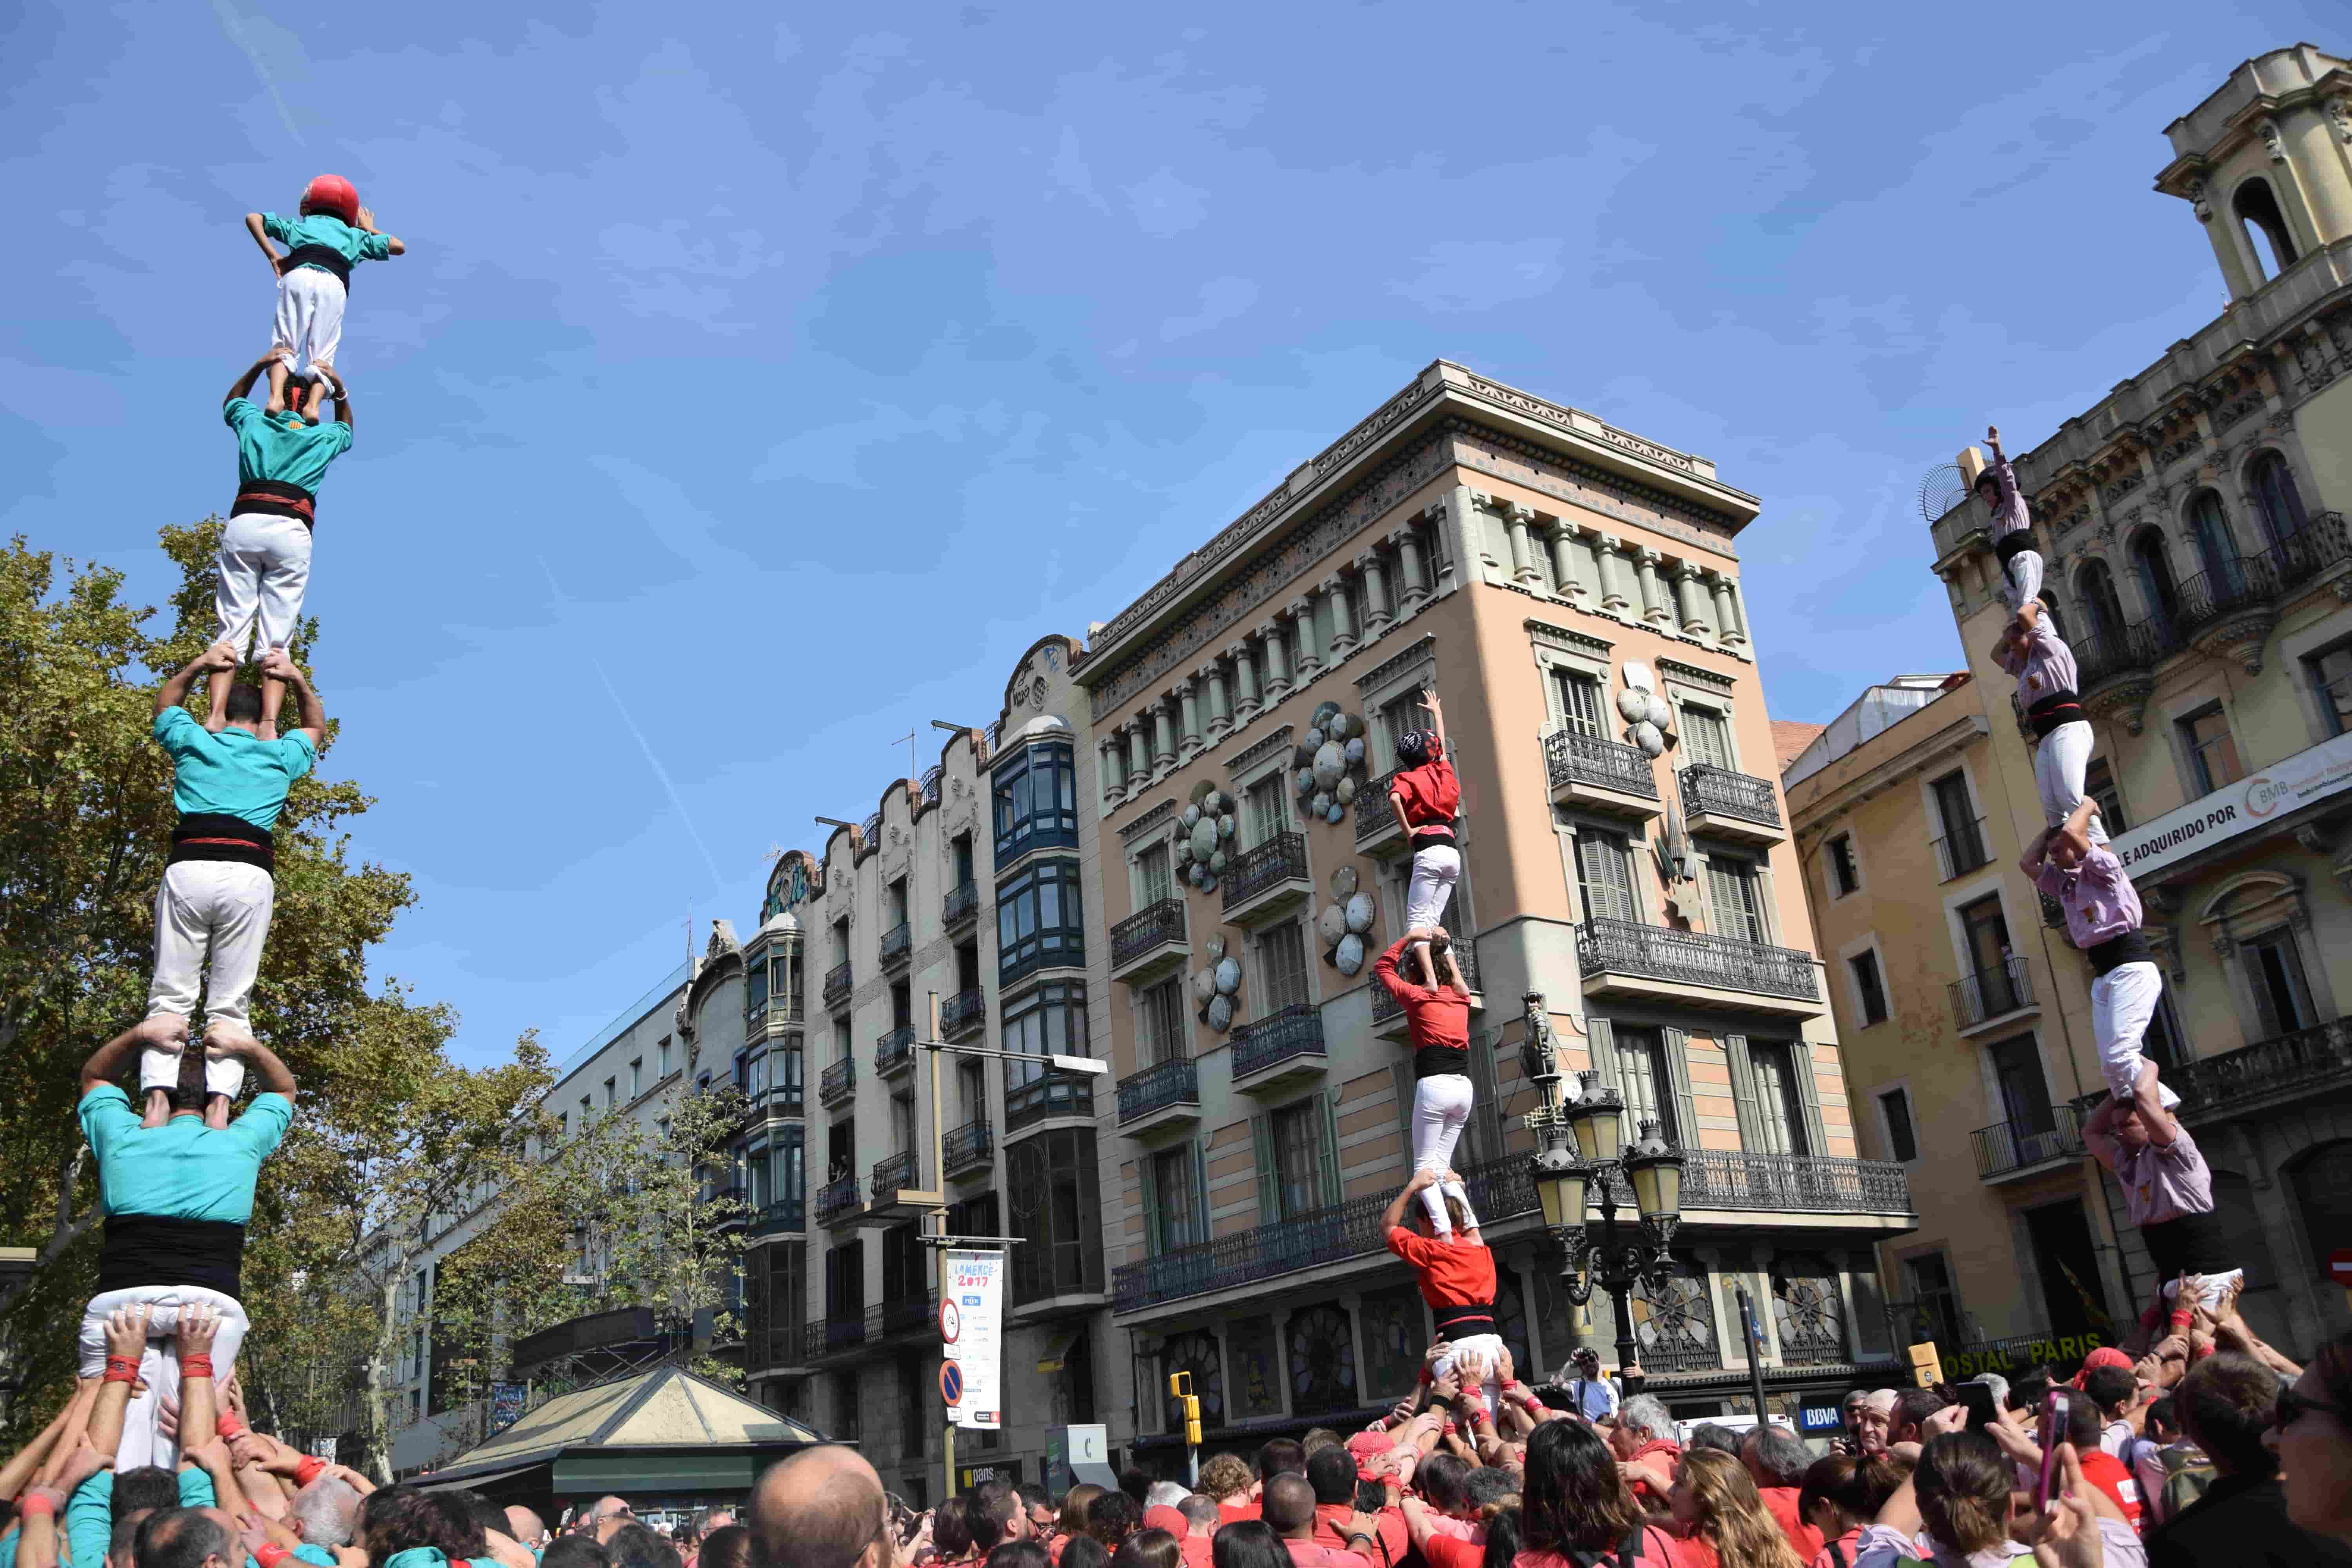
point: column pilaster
(1310, 652)
(1729, 631)
(1378, 613)
(1276, 638)
(1608, 555)
(1163, 736)
(1219, 716)
(1654, 592)
(1563, 561)
(1343, 617)
(1246, 698)
(1188, 741)
(1686, 598)
(1412, 581)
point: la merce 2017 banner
(972, 1338)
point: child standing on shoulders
(1425, 795)
(332, 235)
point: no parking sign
(971, 1314)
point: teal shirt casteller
(184, 1169)
(89, 1522)
(235, 772)
(288, 449)
(352, 244)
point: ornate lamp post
(1579, 1146)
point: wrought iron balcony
(1577, 762)
(2284, 1065)
(1989, 993)
(962, 904)
(897, 944)
(891, 1173)
(893, 1053)
(1376, 818)
(1176, 1081)
(1049, 1092)
(836, 985)
(836, 1199)
(961, 1013)
(1722, 1179)
(1153, 934)
(2008, 1146)
(830, 1336)
(2275, 575)
(1694, 958)
(1294, 1034)
(838, 1082)
(1387, 1009)
(787, 1214)
(851, 1333)
(1266, 870)
(1961, 849)
(968, 1147)
(1727, 800)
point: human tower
(175, 1173)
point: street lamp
(1579, 1146)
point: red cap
(2106, 1356)
(1370, 1444)
(334, 195)
(1171, 1519)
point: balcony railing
(784, 1214)
(1148, 928)
(1722, 793)
(1573, 757)
(1279, 860)
(1990, 993)
(836, 985)
(897, 943)
(849, 1333)
(962, 903)
(1374, 814)
(1386, 1007)
(893, 1173)
(965, 1010)
(835, 1197)
(1695, 958)
(833, 1336)
(1176, 1081)
(838, 1082)
(2305, 1059)
(1961, 849)
(2278, 572)
(1295, 1031)
(1713, 1179)
(973, 1143)
(893, 1053)
(2007, 1146)
(1050, 1093)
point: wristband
(2182, 1318)
(308, 1471)
(198, 1366)
(35, 1503)
(1425, 1374)
(270, 1554)
(229, 1425)
(122, 1369)
(1446, 1430)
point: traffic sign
(950, 1383)
(2340, 1265)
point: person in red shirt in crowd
(1334, 1474)
(1200, 1516)
(1643, 1442)
(1225, 1480)
(1487, 1491)
(1456, 1276)
(2101, 1469)
(1574, 1505)
(1437, 1021)
(1777, 1462)
(1073, 1520)
(1723, 1520)
(1840, 1496)
(1288, 1502)
(1426, 796)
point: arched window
(2102, 612)
(2157, 586)
(2272, 483)
(2267, 235)
(2217, 552)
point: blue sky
(755, 390)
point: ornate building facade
(2198, 561)
(1571, 592)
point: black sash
(2118, 950)
(325, 256)
(2058, 708)
(2193, 1244)
(2017, 542)
(1477, 1317)
(144, 1249)
(276, 498)
(216, 836)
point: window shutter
(1677, 1044)
(1743, 1094)
(1328, 1130)
(1601, 1038)
(1486, 1105)
(1200, 1189)
(1809, 1097)
(1401, 1074)
(1269, 1208)
(1150, 1180)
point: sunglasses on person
(2293, 1407)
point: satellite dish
(1941, 488)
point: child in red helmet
(1425, 796)
(333, 234)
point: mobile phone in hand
(2052, 1431)
(1978, 1398)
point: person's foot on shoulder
(216, 1112)
(157, 1109)
(267, 729)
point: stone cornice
(1148, 820)
(1422, 648)
(1581, 642)
(1261, 751)
(1692, 672)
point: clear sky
(754, 391)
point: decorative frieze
(1261, 750)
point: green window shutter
(1483, 1135)
(1200, 1189)
(1743, 1093)
(1329, 1129)
(1150, 1183)
(1401, 1074)
(1685, 1128)
(1600, 1042)
(1269, 1185)
(1809, 1097)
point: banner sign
(972, 1337)
(507, 1401)
(2254, 802)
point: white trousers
(1487, 1348)
(159, 1365)
(1441, 1108)
(1434, 871)
(264, 567)
(2213, 1285)
(216, 907)
(2123, 1000)
(309, 322)
(2023, 576)
(2059, 761)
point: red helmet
(334, 195)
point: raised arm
(105, 1064)
(341, 390)
(390, 241)
(26, 1462)
(2035, 853)
(175, 691)
(261, 237)
(1450, 974)
(280, 666)
(2076, 828)
(1396, 1214)
(1993, 439)
(274, 1078)
(244, 383)
(2099, 1132)
(1436, 720)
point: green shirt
(326, 229)
(184, 1169)
(89, 1523)
(288, 449)
(235, 772)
